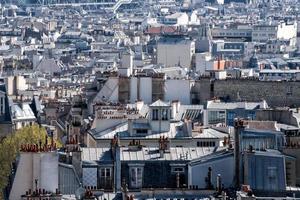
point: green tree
(10, 148)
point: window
(105, 177)
(272, 172)
(136, 177)
(216, 117)
(142, 131)
(155, 114)
(164, 114)
(206, 143)
(272, 177)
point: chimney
(161, 153)
(219, 183)
(189, 127)
(164, 145)
(175, 108)
(238, 127)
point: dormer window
(136, 175)
(164, 114)
(155, 114)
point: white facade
(40, 166)
(175, 52)
(221, 75)
(146, 89)
(279, 75)
(203, 62)
(177, 19)
(231, 32)
(178, 90)
(140, 88)
(15, 84)
(126, 64)
(282, 31)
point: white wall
(49, 171)
(133, 89)
(126, 64)
(41, 166)
(21, 83)
(202, 62)
(178, 90)
(287, 31)
(23, 177)
(220, 75)
(175, 53)
(146, 89)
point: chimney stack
(164, 145)
(238, 127)
(219, 183)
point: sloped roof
(22, 112)
(160, 103)
(48, 66)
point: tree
(10, 148)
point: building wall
(158, 89)
(202, 62)
(290, 168)
(173, 54)
(41, 166)
(287, 93)
(223, 166)
(145, 89)
(14, 84)
(269, 176)
(124, 90)
(133, 89)
(156, 174)
(295, 152)
(178, 90)
(281, 116)
(262, 33)
(201, 91)
(231, 33)
(287, 31)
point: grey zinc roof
(147, 154)
(122, 131)
(68, 179)
(210, 133)
(188, 111)
(235, 105)
(95, 154)
(160, 103)
(175, 153)
(23, 112)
